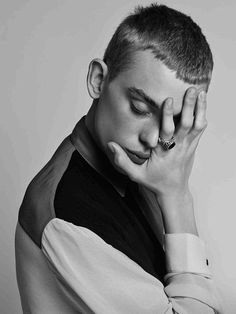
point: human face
(129, 108)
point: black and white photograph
(118, 154)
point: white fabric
(110, 282)
(186, 252)
(41, 290)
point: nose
(149, 136)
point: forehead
(155, 79)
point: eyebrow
(140, 94)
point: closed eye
(139, 108)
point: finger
(123, 163)
(187, 115)
(200, 122)
(167, 125)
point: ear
(97, 73)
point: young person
(107, 226)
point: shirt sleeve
(189, 283)
(110, 282)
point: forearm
(178, 212)
(188, 282)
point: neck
(90, 121)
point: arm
(96, 276)
(166, 174)
(90, 270)
(188, 282)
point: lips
(137, 157)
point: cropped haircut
(173, 37)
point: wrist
(178, 212)
(181, 198)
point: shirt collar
(87, 147)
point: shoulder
(37, 209)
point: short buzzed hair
(173, 37)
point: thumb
(122, 161)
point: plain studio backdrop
(45, 49)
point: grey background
(45, 48)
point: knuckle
(166, 135)
(205, 124)
(168, 127)
(191, 102)
(169, 130)
(168, 111)
(200, 126)
(185, 124)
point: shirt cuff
(186, 253)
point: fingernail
(169, 103)
(203, 95)
(192, 92)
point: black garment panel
(84, 198)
